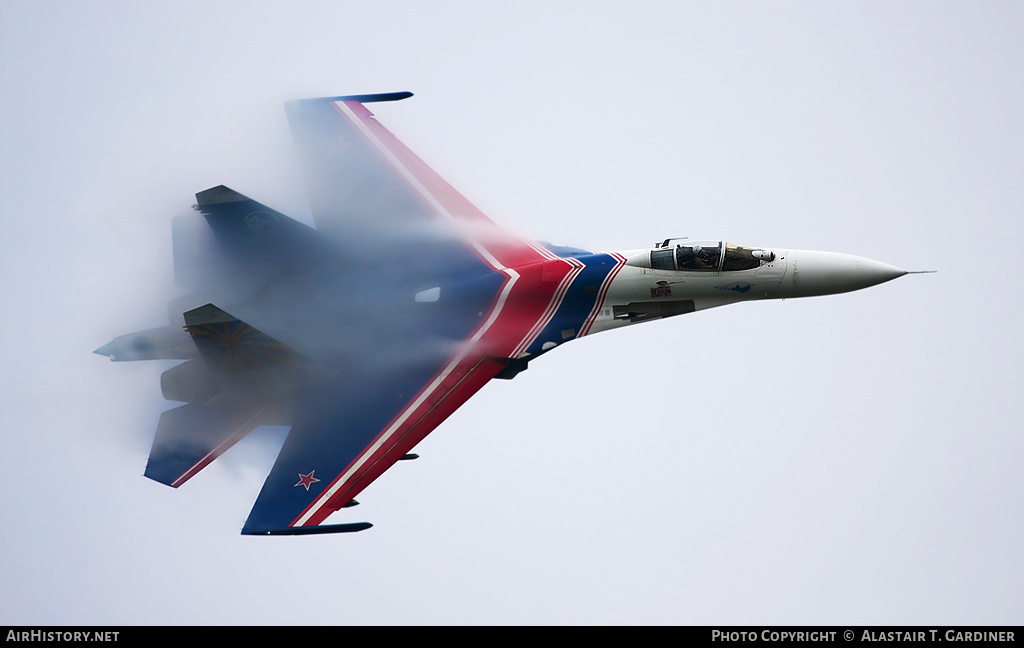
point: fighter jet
(365, 333)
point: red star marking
(307, 480)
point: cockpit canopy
(702, 256)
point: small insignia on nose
(740, 287)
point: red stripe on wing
(501, 246)
(455, 389)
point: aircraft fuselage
(612, 290)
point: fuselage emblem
(261, 222)
(741, 287)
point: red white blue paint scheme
(365, 333)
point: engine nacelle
(189, 382)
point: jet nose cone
(827, 273)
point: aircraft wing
(344, 441)
(363, 182)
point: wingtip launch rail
(364, 98)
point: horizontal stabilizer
(189, 437)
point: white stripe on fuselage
(553, 306)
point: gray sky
(852, 459)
